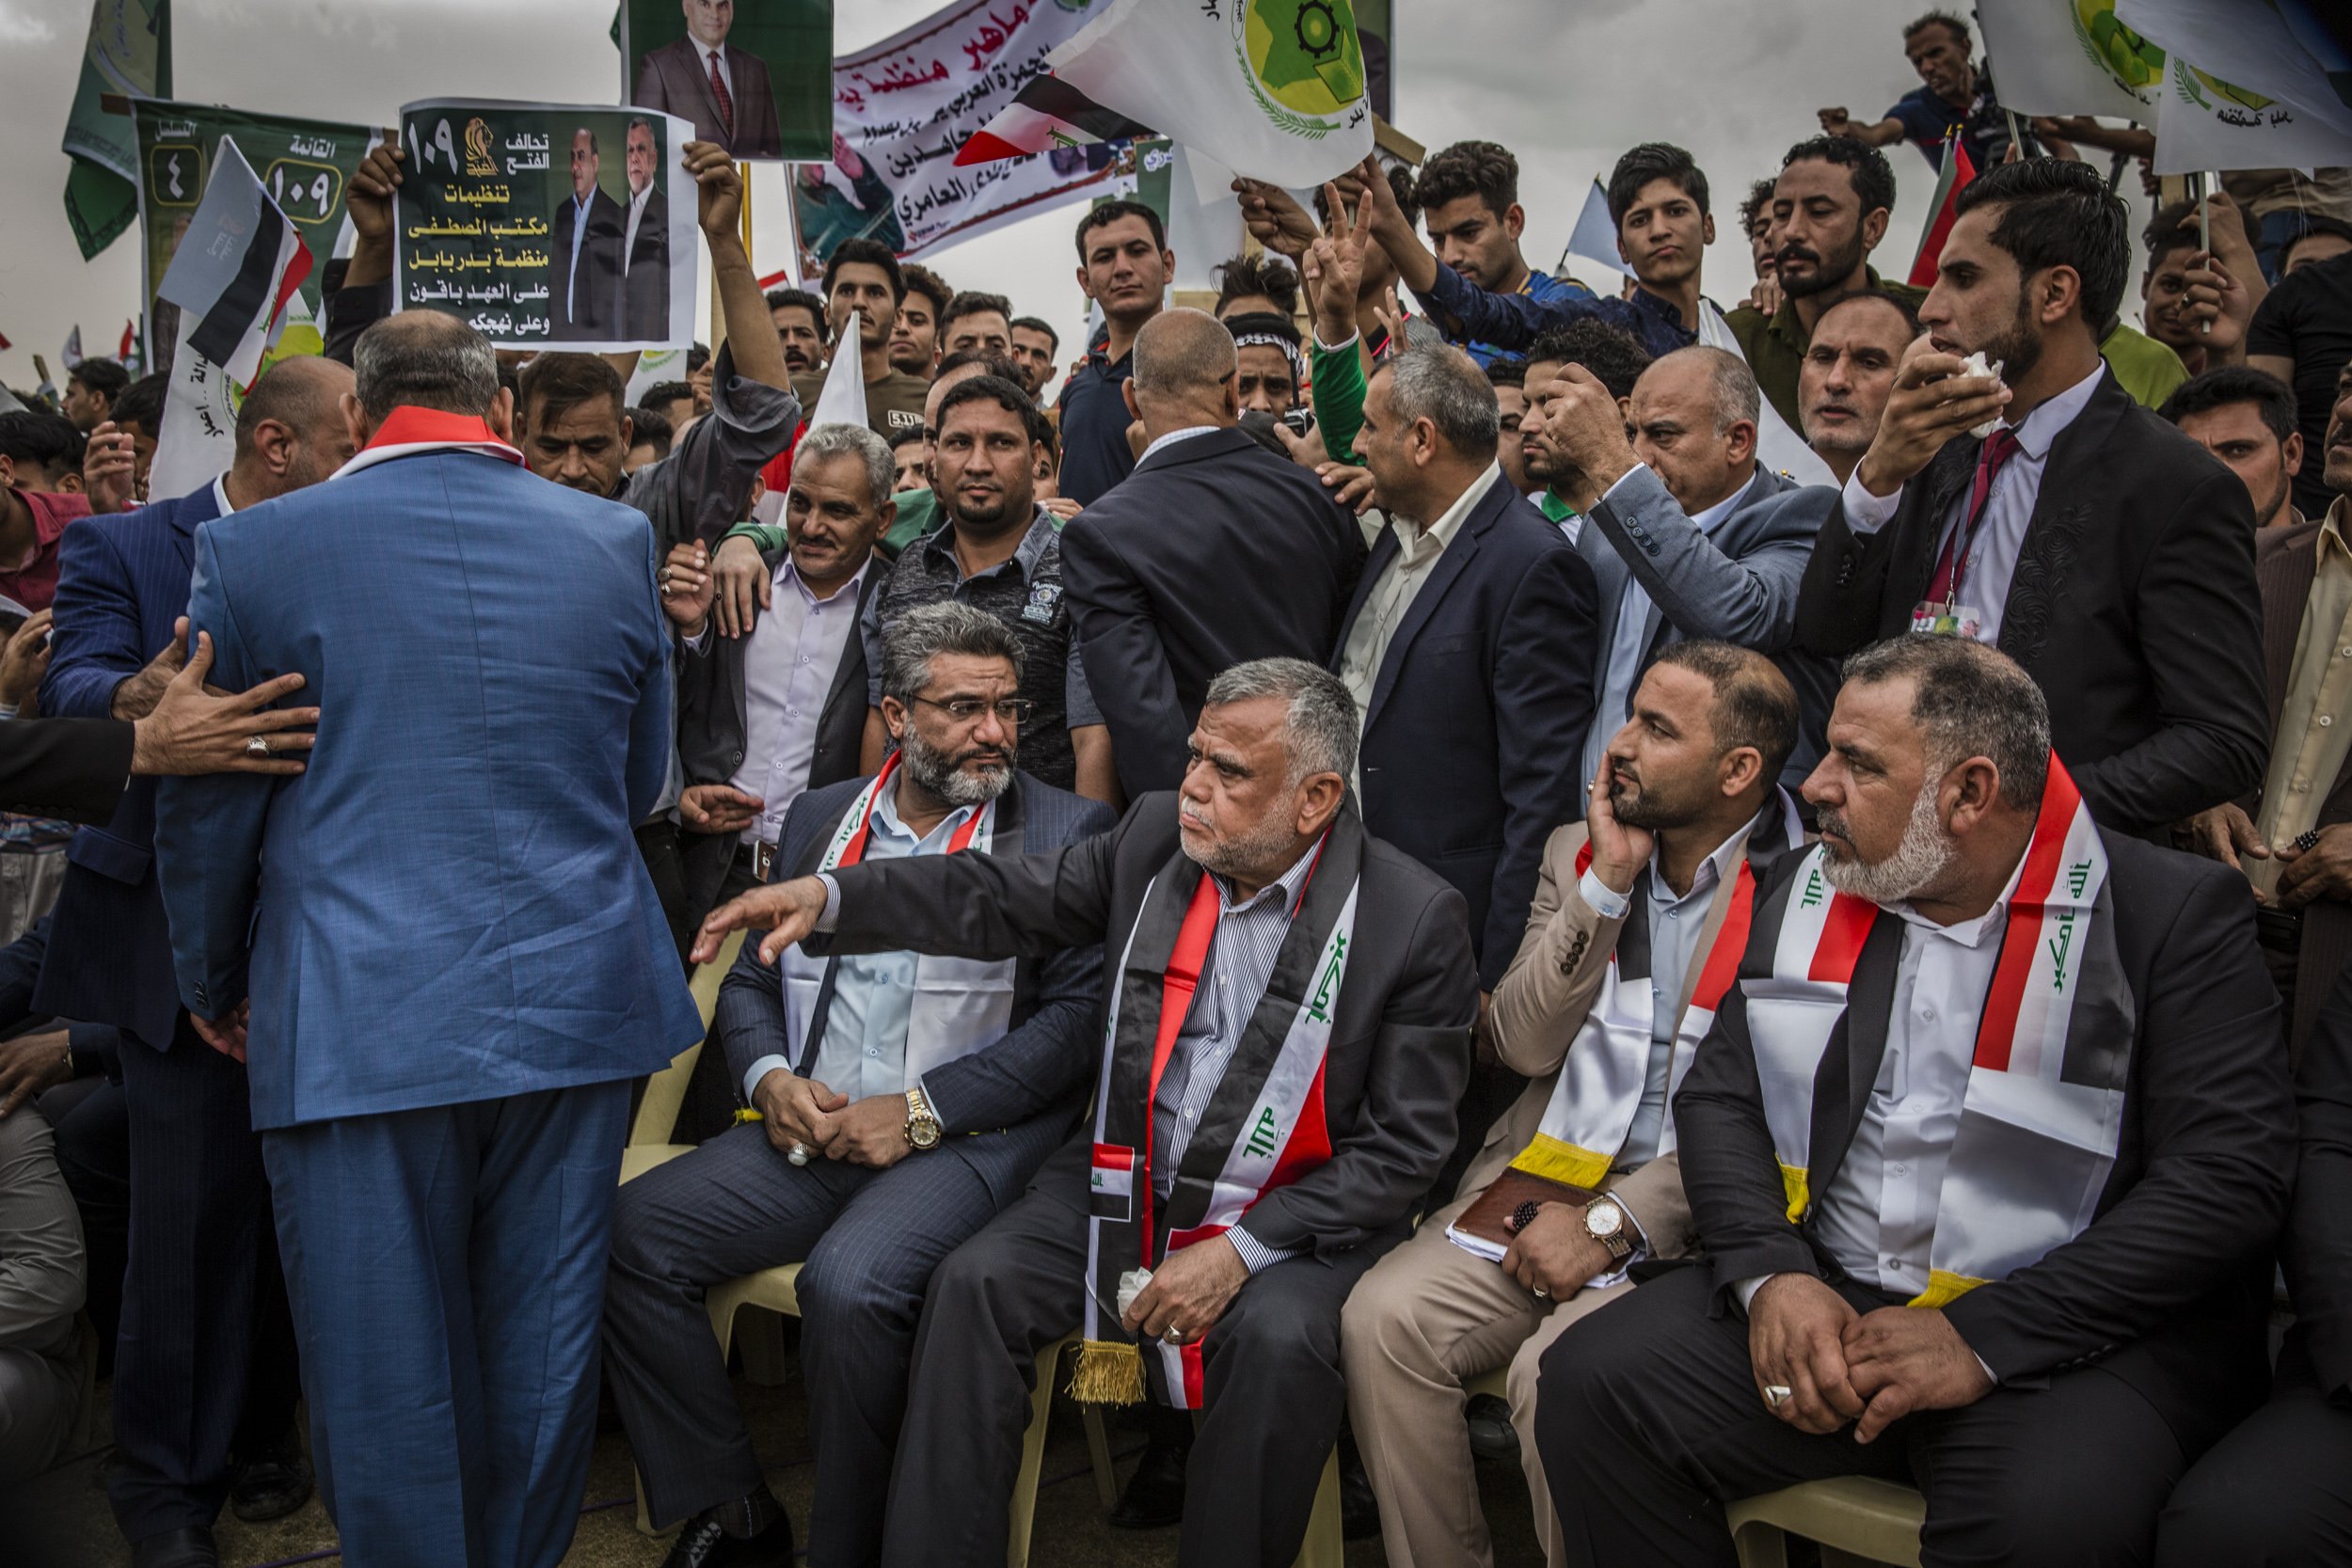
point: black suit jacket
(2170, 1283)
(1473, 743)
(2133, 607)
(646, 272)
(1212, 552)
(2318, 1245)
(594, 314)
(1399, 1053)
(713, 719)
(69, 768)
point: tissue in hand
(1976, 366)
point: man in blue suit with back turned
(438, 948)
(204, 1361)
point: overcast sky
(1566, 84)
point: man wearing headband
(1266, 347)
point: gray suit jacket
(1399, 1053)
(1737, 584)
(670, 79)
(1030, 1083)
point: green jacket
(1339, 400)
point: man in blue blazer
(205, 1381)
(922, 1094)
(1691, 537)
(1472, 649)
(439, 946)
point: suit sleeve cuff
(759, 1069)
(1864, 511)
(1607, 902)
(831, 917)
(939, 1106)
(1256, 1255)
(1619, 483)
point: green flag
(129, 55)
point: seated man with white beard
(906, 1099)
(1988, 1147)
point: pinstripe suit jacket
(1032, 1082)
(121, 582)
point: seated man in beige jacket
(1612, 988)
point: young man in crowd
(977, 323)
(1124, 266)
(800, 318)
(2247, 420)
(1470, 204)
(90, 391)
(915, 341)
(865, 276)
(1610, 357)
(45, 448)
(1034, 345)
(1954, 92)
(1263, 284)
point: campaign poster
(547, 224)
(755, 76)
(904, 109)
(305, 166)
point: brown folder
(1481, 1228)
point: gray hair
(1731, 388)
(425, 359)
(927, 631)
(1440, 383)
(1320, 728)
(854, 440)
(1969, 700)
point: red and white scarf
(407, 432)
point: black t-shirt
(2307, 319)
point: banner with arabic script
(305, 166)
(902, 109)
(544, 224)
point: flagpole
(2205, 231)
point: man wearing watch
(1636, 909)
(905, 1099)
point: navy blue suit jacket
(449, 905)
(1031, 1084)
(1473, 744)
(122, 581)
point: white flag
(2204, 122)
(1273, 89)
(1595, 237)
(2069, 57)
(843, 398)
(2246, 42)
(1778, 447)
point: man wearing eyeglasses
(999, 552)
(903, 1099)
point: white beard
(1925, 852)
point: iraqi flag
(1273, 89)
(1958, 171)
(236, 267)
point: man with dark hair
(2294, 841)
(977, 321)
(1508, 377)
(1657, 188)
(1611, 358)
(2173, 347)
(1909, 1276)
(649, 439)
(1608, 996)
(865, 276)
(2303, 334)
(32, 522)
(138, 413)
(2321, 238)
(2247, 420)
(1470, 203)
(800, 318)
(590, 233)
(673, 400)
(1847, 373)
(307, 921)
(1034, 345)
(1000, 551)
(2078, 524)
(1955, 93)
(1268, 362)
(906, 1101)
(1261, 567)
(914, 333)
(1756, 222)
(90, 389)
(910, 461)
(1255, 285)
(1124, 266)
(1829, 210)
(198, 1397)
(46, 449)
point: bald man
(190, 1380)
(1214, 551)
(1692, 538)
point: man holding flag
(1289, 1033)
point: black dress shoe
(1491, 1433)
(705, 1543)
(1359, 1511)
(1155, 1497)
(270, 1485)
(177, 1548)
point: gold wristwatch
(922, 1126)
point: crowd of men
(1365, 840)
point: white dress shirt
(636, 216)
(796, 651)
(579, 232)
(2008, 507)
(1173, 436)
(1632, 637)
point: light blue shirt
(864, 1051)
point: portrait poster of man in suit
(645, 234)
(755, 76)
(589, 234)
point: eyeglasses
(1009, 710)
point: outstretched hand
(788, 911)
